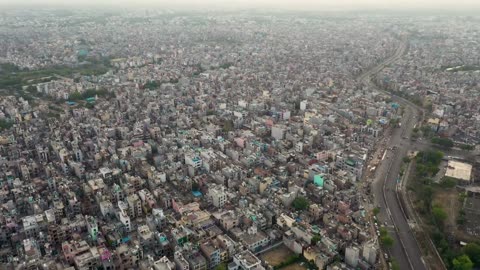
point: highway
(405, 249)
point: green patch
(5, 124)
(14, 80)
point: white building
(193, 160)
(370, 253)
(351, 256)
(278, 132)
(303, 105)
(218, 196)
(245, 260)
(123, 217)
(163, 264)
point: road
(405, 249)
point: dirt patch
(295, 266)
(278, 255)
(448, 200)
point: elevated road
(405, 249)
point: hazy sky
(280, 4)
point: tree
(387, 241)
(228, 126)
(432, 157)
(376, 210)
(462, 263)
(221, 266)
(383, 232)
(445, 142)
(448, 182)
(426, 131)
(315, 239)
(395, 265)
(473, 252)
(75, 96)
(467, 147)
(385, 238)
(5, 124)
(439, 214)
(195, 186)
(151, 85)
(300, 203)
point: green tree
(221, 266)
(394, 122)
(385, 238)
(395, 265)
(195, 186)
(75, 96)
(467, 147)
(226, 65)
(445, 142)
(383, 232)
(433, 157)
(448, 182)
(228, 126)
(315, 239)
(5, 124)
(376, 210)
(473, 252)
(426, 131)
(462, 262)
(300, 203)
(439, 214)
(387, 241)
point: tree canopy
(473, 252)
(300, 203)
(385, 238)
(387, 241)
(221, 266)
(445, 142)
(462, 262)
(439, 214)
(315, 239)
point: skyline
(311, 5)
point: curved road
(405, 249)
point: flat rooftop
(459, 170)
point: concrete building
(459, 170)
(218, 196)
(245, 260)
(352, 255)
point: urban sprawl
(154, 139)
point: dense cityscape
(168, 140)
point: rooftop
(459, 170)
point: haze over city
(239, 135)
(275, 4)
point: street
(405, 249)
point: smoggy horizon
(311, 5)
